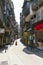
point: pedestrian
(16, 43)
(5, 50)
(31, 41)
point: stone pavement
(3, 59)
(9, 58)
(19, 55)
(24, 56)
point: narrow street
(21, 32)
(19, 55)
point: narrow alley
(19, 55)
(21, 32)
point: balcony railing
(26, 11)
(1, 16)
(39, 16)
(34, 4)
(26, 8)
(3, 2)
(12, 6)
(33, 20)
(22, 23)
(37, 4)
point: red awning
(39, 26)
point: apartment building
(7, 22)
(33, 15)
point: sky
(17, 9)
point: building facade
(25, 21)
(33, 15)
(7, 22)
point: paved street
(19, 55)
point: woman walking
(31, 41)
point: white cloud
(17, 9)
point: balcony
(0, 2)
(39, 16)
(26, 11)
(1, 16)
(4, 9)
(7, 11)
(26, 8)
(3, 2)
(4, 6)
(37, 4)
(27, 19)
(27, 0)
(22, 22)
(33, 21)
(12, 6)
(8, 7)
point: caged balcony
(38, 17)
(4, 6)
(40, 14)
(12, 6)
(36, 4)
(33, 19)
(26, 8)
(1, 15)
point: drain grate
(4, 63)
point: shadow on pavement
(27, 51)
(3, 48)
(33, 51)
(38, 53)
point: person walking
(31, 41)
(16, 43)
(5, 50)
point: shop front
(39, 33)
(2, 32)
(7, 36)
(4, 37)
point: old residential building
(7, 22)
(33, 16)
